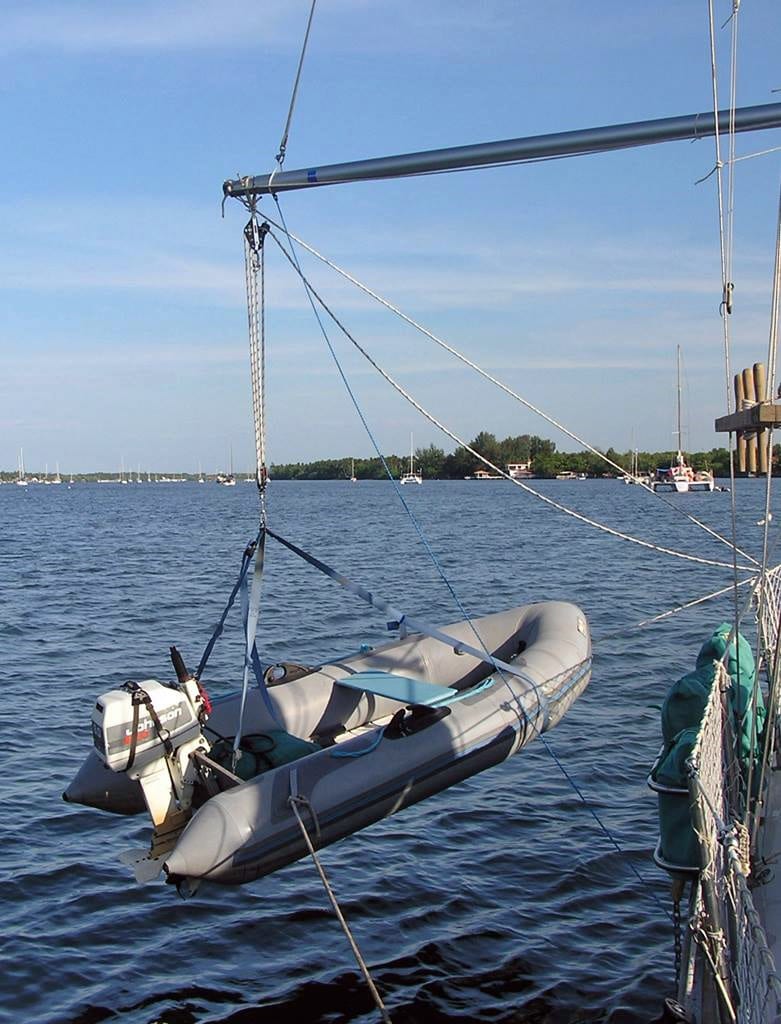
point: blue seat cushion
(400, 688)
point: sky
(123, 325)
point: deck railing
(725, 925)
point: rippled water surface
(499, 900)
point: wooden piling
(750, 398)
(739, 396)
(762, 436)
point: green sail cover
(740, 665)
(685, 702)
(682, 713)
(678, 844)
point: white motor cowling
(149, 730)
(142, 722)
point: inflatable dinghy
(326, 751)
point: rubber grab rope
(339, 752)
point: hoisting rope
(294, 802)
(405, 623)
(679, 510)
(543, 739)
(254, 267)
(501, 472)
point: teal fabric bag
(685, 702)
(682, 713)
(740, 665)
(678, 844)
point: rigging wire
(678, 608)
(311, 291)
(312, 295)
(294, 95)
(503, 387)
(727, 288)
(775, 664)
(760, 152)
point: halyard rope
(311, 295)
(493, 380)
(518, 483)
(294, 801)
(254, 265)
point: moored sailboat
(412, 476)
(21, 478)
(680, 476)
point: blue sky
(122, 316)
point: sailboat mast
(680, 436)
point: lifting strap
(250, 611)
(404, 623)
(246, 561)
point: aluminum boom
(510, 151)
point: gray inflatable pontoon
(347, 743)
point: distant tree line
(540, 453)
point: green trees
(545, 461)
(429, 461)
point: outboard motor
(149, 731)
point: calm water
(499, 900)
